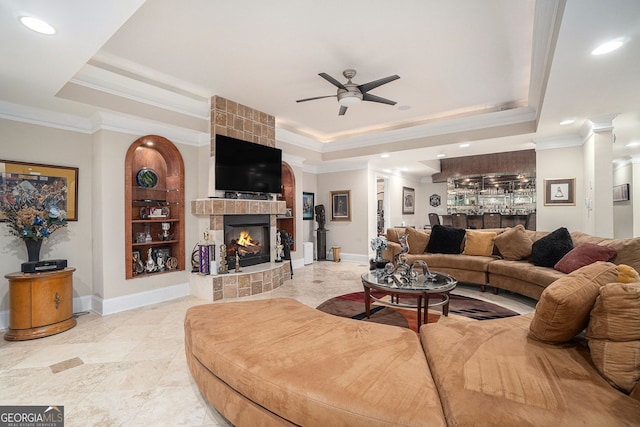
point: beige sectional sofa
(520, 276)
(280, 363)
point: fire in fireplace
(249, 237)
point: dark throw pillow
(445, 240)
(547, 251)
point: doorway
(382, 221)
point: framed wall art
(341, 205)
(307, 205)
(408, 201)
(620, 192)
(58, 182)
(560, 192)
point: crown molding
(293, 160)
(137, 126)
(43, 117)
(554, 142)
(108, 81)
(461, 124)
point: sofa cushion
(445, 240)
(514, 244)
(564, 306)
(478, 243)
(614, 334)
(489, 373)
(547, 251)
(628, 250)
(627, 274)
(584, 254)
(417, 240)
(392, 234)
(313, 368)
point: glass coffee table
(422, 289)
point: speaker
(44, 265)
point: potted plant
(33, 214)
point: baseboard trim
(141, 299)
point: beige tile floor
(129, 369)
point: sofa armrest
(391, 251)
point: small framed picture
(408, 201)
(307, 205)
(341, 205)
(560, 192)
(620, 192)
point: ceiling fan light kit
(350, 94)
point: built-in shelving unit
(154, 211)
(287, 222)
(508, 194)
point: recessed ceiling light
(404, 107)
(404, 169)
(633, 144)
(567, 122)
(384, 155)
(607, 47)
(465, 145)
(37, 25)
(386, 170)
(440, 155)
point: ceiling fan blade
(316, 97)
(331, 80)
(373, 98)
(374, 84)
(343, 110)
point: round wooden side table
(41, 304)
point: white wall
(623, 211)
(560, 163)
(38, 144)
(351, 236)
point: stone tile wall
(239, 121)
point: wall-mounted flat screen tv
(247, 167)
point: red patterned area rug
(352, 306)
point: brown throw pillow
(564, 306)
(514, 244)
(417, 241)
(585, 254)
(479, 243)
(614, 334)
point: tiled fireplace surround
(238, 121)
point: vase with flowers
(33, 213)
(378, 244)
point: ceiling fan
(351, 93)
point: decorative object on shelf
(307, 205)
(341, 205)
(320, 216)
(408, 201)
(158, 212)
(138, 265)
(278, 248)
(32, 210)
(161, 255)
(172, 263)
(287, 241)
(205, 255)
(378, 244)
(165, 235)
(223, 268)
(150, 266)
(560, 192)
(434, 200)
(147, 178)
(195, 259)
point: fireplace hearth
(249, 237)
